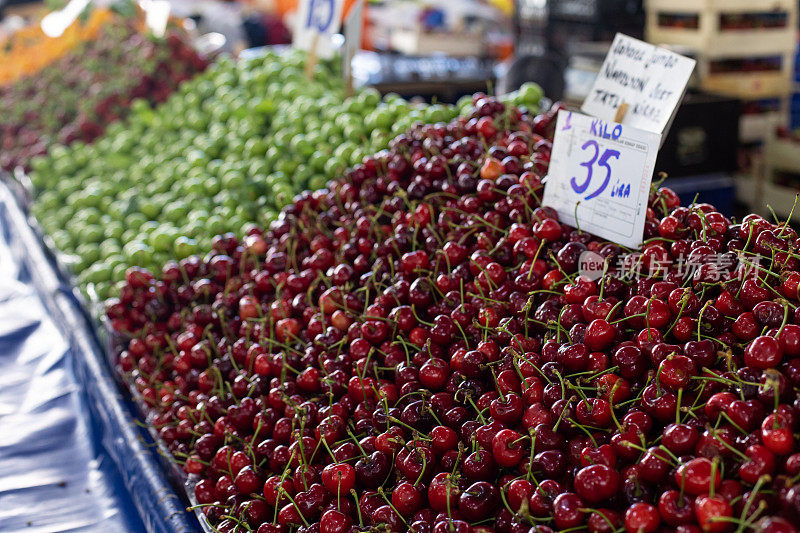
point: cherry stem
(365, 454)
(785, 305)
(358, 507)
(684, 303)
(734, 424)
(711, 484)
(291, 500)
(389, 503)
(668, 452)
(502, 497)
(743, 517)
(786, 222)
(497, 386)
(700, 318)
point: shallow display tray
(159, 487)
(186, 483)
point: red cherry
(763, 352)
(508, 410)
(548, 229)
(247, 481)
(568, 511)
(676, 371)
(604, 521)
(443, 492)
(599, 335)
(507, 448)
(339, 478)
(594, 412)
(711, 512)
(775, 524)
(596, 483)
(334, 521)
(601, 455)
(443, 439)
(407, 499)
(642, 518)
(520, 491)
(776, 434)
(676, 509)
(479, 501)
(680, 439)
(789, 338)
(762, 462)
(695, 476)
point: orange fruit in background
(29, 50)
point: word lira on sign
(600, 175)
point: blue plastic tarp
(72, 457)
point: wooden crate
(780, 200)
(754, 127)
(748, 85)
(705, 34)
(780, 155)
(758, 126)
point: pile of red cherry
(413, 349)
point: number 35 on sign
(599, 177)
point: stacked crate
(744, 49)
(781, 176)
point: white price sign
(317, 22)
(352, 40)
(649, 79)
(156, 15)
(599, 177)
(55, 23)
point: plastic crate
(603, 12)
(703, 137)
(708, 26)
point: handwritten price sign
(649, 79)
(600, 174)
